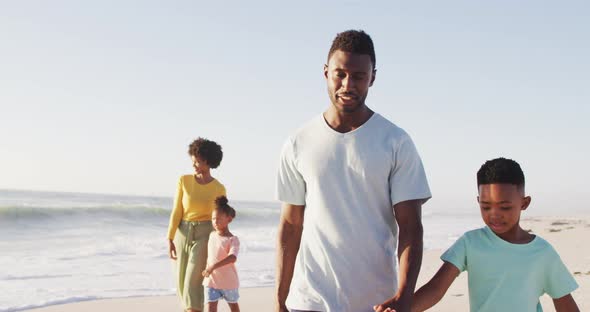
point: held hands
(380, 309)
(206, 272)
(395, 304)
(171, 250)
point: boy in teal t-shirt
(509, 268)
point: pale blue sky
(105, 96)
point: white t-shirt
(348, 183)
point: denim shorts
(230, 295)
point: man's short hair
(354, 41)
(500, 171)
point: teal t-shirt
(509, 277)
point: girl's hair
(222, 206)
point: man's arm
(566, 304)
(289, 238)
(408, 215)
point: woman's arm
(177, 210)
(175, 217)
(433, 291)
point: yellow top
(193, 201)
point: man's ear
(326, 71)
(373, 77)
(526, 201)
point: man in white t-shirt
(360, 183)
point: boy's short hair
(354, 41)
(221, 205)
(500, 171)
(207, 150)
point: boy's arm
(566, 304)
(433, 291)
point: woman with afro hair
(190, 222)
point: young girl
(221, 276)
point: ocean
(66, 247)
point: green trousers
(191, 251)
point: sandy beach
(252, 299)
(567, 235)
